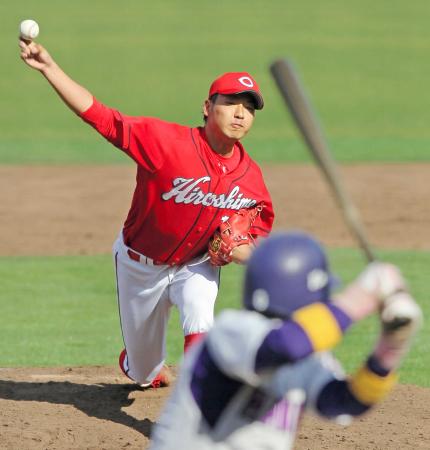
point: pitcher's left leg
(193, 290)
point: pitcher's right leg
(144, 311)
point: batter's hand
(35, 56)
(382, 280)
(369, 292)
(401, 318)
(400, 312)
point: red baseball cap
(237, 83)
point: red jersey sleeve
(140, 137)
(263, 224)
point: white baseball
(28, 29)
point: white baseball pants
(146, 293)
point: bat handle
(353, 220)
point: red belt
(143, 259)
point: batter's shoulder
(235, 326)
(234, 340)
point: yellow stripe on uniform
(370, 388)
(320, 326)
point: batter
(248, 383)
(188, 182)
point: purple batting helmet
(286, 271)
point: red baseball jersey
(184, 189)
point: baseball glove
(232, 233)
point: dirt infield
(95, 408)
(79, 210)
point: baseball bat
(301, 109)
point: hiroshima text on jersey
(187, 190)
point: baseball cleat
(163, 379)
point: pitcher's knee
(197, 324)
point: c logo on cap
(246, 81)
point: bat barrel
(305, 117)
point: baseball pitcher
(247, 384)
(199, 203)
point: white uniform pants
(145, 294)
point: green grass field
(365, 65)
(70, 317)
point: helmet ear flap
(286, 271)
(260, 300)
